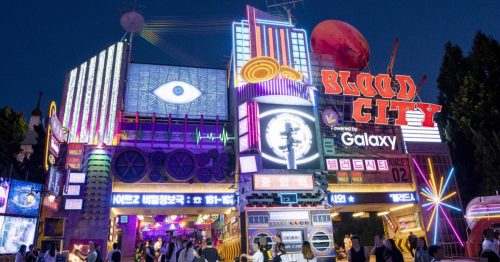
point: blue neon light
(371, 198)
(171, 200)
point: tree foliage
(12, 133)
(470, 95)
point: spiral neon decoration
(290, 73)
(260, 69)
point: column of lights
(435, 196)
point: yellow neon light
(430, 220)
(411, 229)
(290, 73)
(440, 185)
(260, 69)
(52, 110)
(358, 214)
(448, 196)
(494, 216)
(426, 195)
(382, 213)
(433, 182)
(401, 207)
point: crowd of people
(32, 254)
(176, 250)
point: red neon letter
(401, 107)
(383, 85)
(381, 117)
(357, 110)
(406, 93)
(329, 79)
(429, 110)
(365, 84)
(350, 89)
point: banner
(74, 158)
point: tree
(469, 91)
(12, 133)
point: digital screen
(160, 199)
(4, 194)
(74, 156)
(54, 180)
(283, 182)
(248, 164)
(288, 137)
(73, 204)
(72, 190)
(366, 138)
(76, 178)
(371, 198)
(16, 231)
(17, 203)
(175, 90)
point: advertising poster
(407, 222)
(391, 169)
(14, 232)
(17, 203)
(288, 137)
(74, 157)
(4, 194)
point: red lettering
(365, 84)
(429, 110)
(329, 79)
(350, 89)
(383, 85)
(381, 117)
(357, 110)
(405, 93)
(401, 107)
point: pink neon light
(452, 227)
(421, 173)
(431, 206)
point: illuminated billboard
(16, 231)
(175, 90)
(17, 203)
(288, 137)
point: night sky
(43, 40)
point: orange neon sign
(369, 86)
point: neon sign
(165, 200)
(369, 86)
(364, 139)
(283, 182)
(371, 198)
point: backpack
(277, 258)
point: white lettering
(368, 140)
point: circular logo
(301, 136)
(52, 159)
(330, 118)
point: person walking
(258, 256)
(421, 252)
(392, 253)
(198, 256)
(187, 254)
(489, 247)
(51, 254)
(357, 253)
(277, 242)
(32, 254)
(115, 255)
(412, 241)
(210, 253)
(307, 255)
(281, 254)
(378, 249)
(139, 252)
(436, 253)
(21, 253)
(150, 252)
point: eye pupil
(178, 90)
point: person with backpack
(281, 254)
(115, 255)
(489, 247)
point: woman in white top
(282, 253)
(307, 254)
(20, 254)
(51, 254)
(258, 256)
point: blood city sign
(369, 86)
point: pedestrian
(198, 256)
(357, 253)
(421, 252)
(150, 252)
(21, 253)
(163, 252)
(281, 254)
(115, 255)
(139, 252)
(177, 254)
(32, 254)
(378, 249)
(210, 253)
(412, 241)
(436, 253)
(307, 254)
(392, 253)
(489, 247)
(277, 242)
(258, 256)
(187, 254)
(170, 250)
(51, 254)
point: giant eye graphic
(177, 92)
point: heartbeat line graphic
(223, 136)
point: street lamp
(31, 196)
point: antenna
(276, 7)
